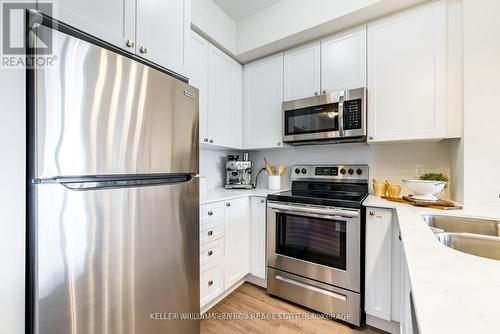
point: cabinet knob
(263, 201)
(205, 140)
(211, 141)
(130, 43)
(371, 137)
(210, 213)
(278, 143)
(372, 213)
(143, 49)
(228, 204)
(324, 91)
(399, 235)
(316, 93)
(210, 232)
(210, 253)
(210, 283)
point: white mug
(274, 182)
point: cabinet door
(378, 263)
(343, 61)
(110, 20)
(263, 96)
(302, 72)
(236, 241)
(258, 237)
(224, 123)
(406, 325)
(163, 31)
(406, 75)
(197, 72)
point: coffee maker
(238, 172)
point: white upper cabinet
(93, 17)
(407, 75)
(224, 89)
(197, 72)
(343, 61)
(302, 72)
(163, 29)
(263, 96)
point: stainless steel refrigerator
(113, 234)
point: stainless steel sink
(479, 237)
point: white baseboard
(387, 326)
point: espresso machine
(238, 172)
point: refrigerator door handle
(127, 183)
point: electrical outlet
(419, 170)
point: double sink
(480, 237)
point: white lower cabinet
(378, 263)
(236, 240)
(258, 237)
(383, 267)
(211, 281)
(224, 246)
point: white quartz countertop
(453, 292)
(222, 194)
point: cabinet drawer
(211, 212)
(211, 231)
(211, 251)
(211, 281)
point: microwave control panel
(352, 115)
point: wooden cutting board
(439, 204)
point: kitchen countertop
(222, 194)
(453, 292)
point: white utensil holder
(274, 182)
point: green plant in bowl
(434, 177)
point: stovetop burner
(330, 185)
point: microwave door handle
(341, 115)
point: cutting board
(439, 204)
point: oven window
(311, 120)
(317, 240)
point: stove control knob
(350, 171)
(342, 171)
(304, 171)
(297, 171)
(359, 171)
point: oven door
(320, 243)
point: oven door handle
(317, 211)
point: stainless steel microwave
(331, 117)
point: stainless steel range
(314, 240)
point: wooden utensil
(267, 166)
(281, 169)
(273, 169)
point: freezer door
(100, 113)
(117, 260)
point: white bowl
(424, 189)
